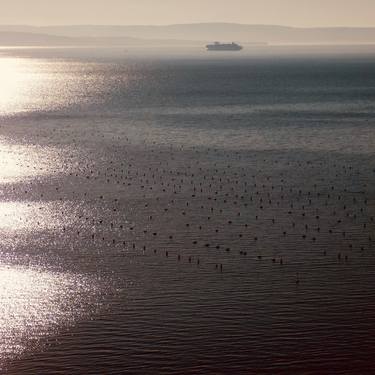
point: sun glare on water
(34, 303)
(30, 85)
(15, 81)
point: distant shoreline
(183, 34)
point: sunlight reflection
(38, 85)
(18, 162)
(32, 216)
(12, 81)
(35, 303)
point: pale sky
(305, 13)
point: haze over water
(187, 213)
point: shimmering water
(187, 213)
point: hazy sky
(282, 12)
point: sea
(178, 211)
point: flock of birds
(201, 206)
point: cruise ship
(217, 46)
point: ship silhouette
(217, 46)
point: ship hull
(224, 47)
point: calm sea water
(187, 213)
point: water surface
(187, 213)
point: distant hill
(198, 32)
(15, 38)
(9, 38)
